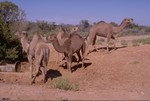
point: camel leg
(108, 40)
(83, 49)
(115, 43)
(37, 71)
(43, 69)
(69, 61)
(31, 65)
(57, 61)
(94, 44)
(87, 50)
(79, 56)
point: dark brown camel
(36, 49)
(106, 30)
(72, 45)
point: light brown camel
(107, 30)
(24, 40)
(38, 50)
(62, 36)
(72, 45)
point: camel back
(76, 41)
(35, 40)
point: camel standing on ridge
(106, 30)
(72, 45)
(62, 36)
(38, 50)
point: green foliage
(62, 83)
(10, 48)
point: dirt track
(122, 74)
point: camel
(72, 45)
(106, 30)
(62, 36)
(38, 50)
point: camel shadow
(74, 59)
(52, 74)
(105, 48)
(75, 67)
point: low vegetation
(124, 43)
(137, 42)
(64, 84)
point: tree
(10, 48)
(85, 23)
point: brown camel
(72, 45)
(62, 36)
(38, 50)
(107, 30)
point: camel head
(74, 29)
(128, 21)
(21, 34)
(51, 37)
(61, 30)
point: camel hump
(67, 44)
(101, 22)
(62, 29)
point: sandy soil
(123, 74)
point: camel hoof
(44, 81)
(33, 82)
(31, 76)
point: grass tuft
(62, 83)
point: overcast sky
(73, 11)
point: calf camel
(72, 45)
(107, 30)
(36, 49)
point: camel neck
(25, 43)
(119, 28)
(57, 46)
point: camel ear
(131, 19)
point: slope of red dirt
(123, 74)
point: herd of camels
(67, 44)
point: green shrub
(62, 83)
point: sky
(73, 11)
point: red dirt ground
(123, 74)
